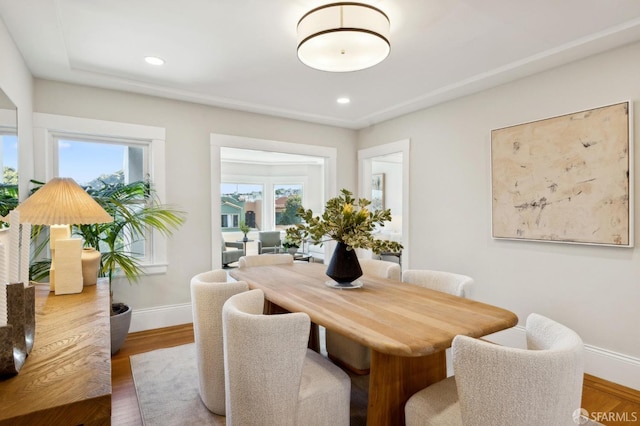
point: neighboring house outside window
(231, 210)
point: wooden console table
(66, 379)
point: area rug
(166, 382)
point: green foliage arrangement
(346, 220)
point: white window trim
(47, 126)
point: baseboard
(603, 363)
(159, 317)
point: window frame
(49, 127)
(58, 137)
(279, 182)
(251, 181)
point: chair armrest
(233, 244)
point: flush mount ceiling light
(342, 37)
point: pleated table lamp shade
(62, 201)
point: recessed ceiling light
(154, 60)
(343, 100)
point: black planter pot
(344, 267)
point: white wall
(162, 300)
(594, 290)
(17, 83)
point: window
(9, 163)
(287, 201)
(230, 220)
(95, 163)
(240, 202)
(9, 157)
(91, 151)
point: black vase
(344, 267)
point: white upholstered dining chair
(446, 282)
(271, 376)
(504, 386)
(264, 259)
(341, 349)
(209, 291)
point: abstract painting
(565, 179)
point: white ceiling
(241, 54)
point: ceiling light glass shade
(342, 37)
(154, 60)
(61, 201)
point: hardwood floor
(608, 403)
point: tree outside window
(288, 198)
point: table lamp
(59, 203)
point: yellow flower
(363, 213)
(347, 209)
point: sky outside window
(86, 161)
(10, 151)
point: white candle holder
(17, 337)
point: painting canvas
(377, 191)
(565, 179)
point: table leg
(314, 337)
(393, 379)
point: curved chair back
(446, 282)
(209, 291)
(264, 259)
(380, 268)
(271, 376)
(507, 386)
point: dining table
(406, 326)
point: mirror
(8, 154)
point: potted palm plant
(135, 209)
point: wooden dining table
(407, 327)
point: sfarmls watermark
(582, 416)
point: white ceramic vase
(90, 265)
